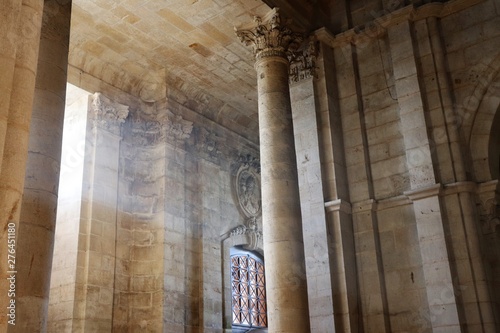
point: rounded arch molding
(481, 123)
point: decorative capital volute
(270, 36)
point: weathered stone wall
(392, 150)
(392, 138)
(471, 42)
(84, 277)
(176, 202)
(139, 242)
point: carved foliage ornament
(270, 38)
(303, 62)
(177, 127)
(490, 217)
(153, 130)
(107, 114)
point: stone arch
(482, 127)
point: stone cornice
(421, 193)
(364, 206)
(459, 187)
(400, 200)
(338, 205)
(269, 36)
(486, 187)
(424, 192)
(379, 25)
(167, 128)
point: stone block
(406, 67)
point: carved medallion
(248, 191)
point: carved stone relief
(248, 192)
(303, 62)
(490, 217)
(247, 188)
(152, 130)
(107, 114)
(269, 36)
(209, 144)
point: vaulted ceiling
(181, 48)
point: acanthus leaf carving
(270, 38)
(107, 114)
(303, 62)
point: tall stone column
(20, 25)
(39, 203)
(281, 215)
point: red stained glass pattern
(248, 291)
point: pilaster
(424, 191)
(97, 250)
(357, 178)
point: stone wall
(396, 176)
(388, 140)
(139, 242)
(176, 202)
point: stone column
(20, 24)
(39, 203)
(282, 225)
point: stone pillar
(38, 208)
(442, 313)
(97, 246)
(20, 24)
(282, 226)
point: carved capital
(303, 62)
(177, 128)
(270, 37)
(107, 114)
(489, 215)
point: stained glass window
(248, 291)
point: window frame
(258, 283)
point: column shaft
(9, 16)
(16, 103)
(283, 245)
(39, 203)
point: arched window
(248, 291)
